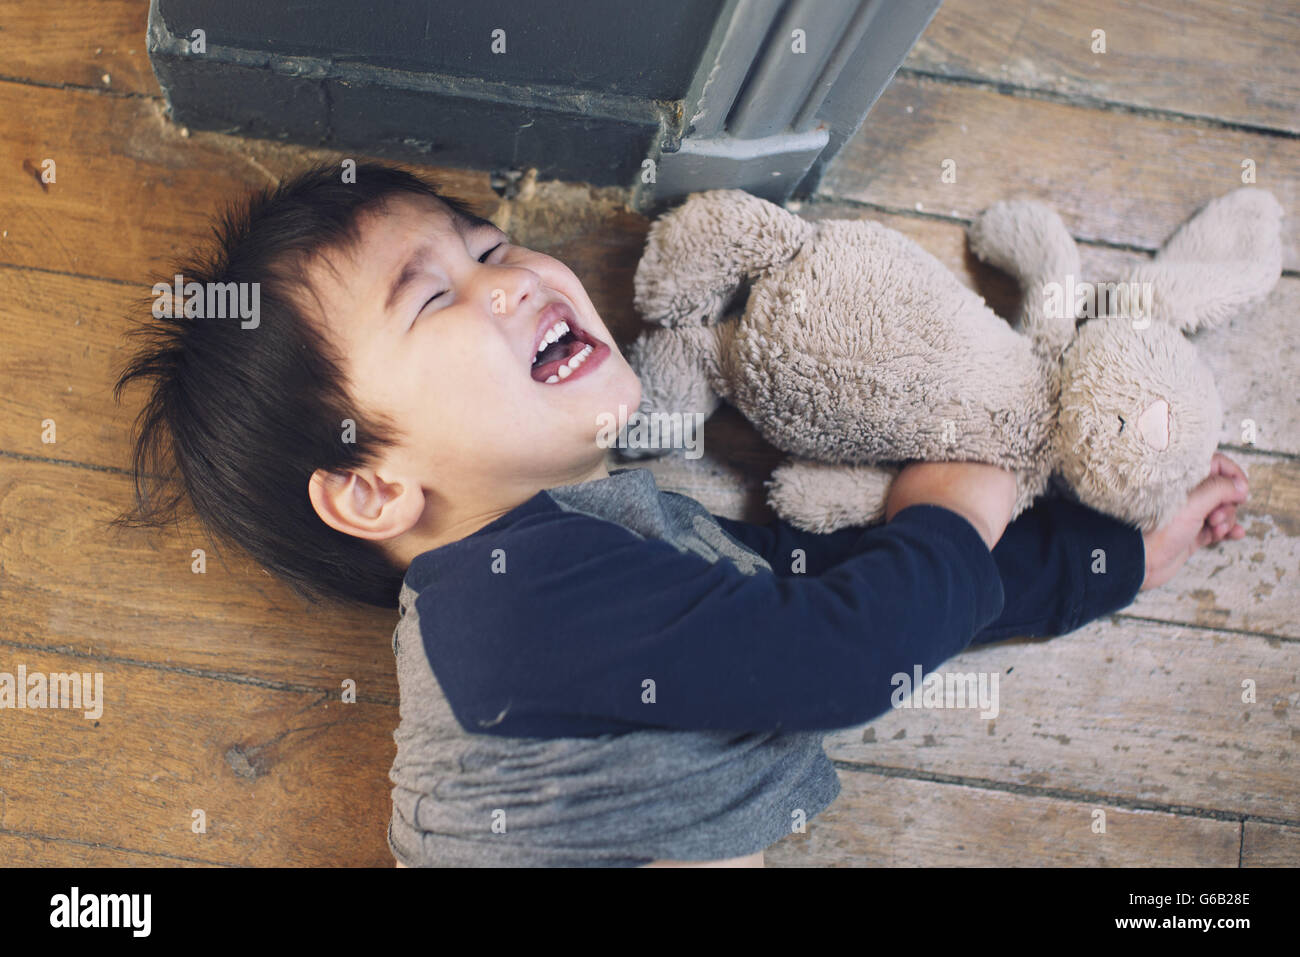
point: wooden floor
(223, 690)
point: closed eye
(1121, 423)
(436, 295)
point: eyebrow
(414, 265)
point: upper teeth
(553, 333)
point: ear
(698, 254)
(1224, 259)
(1028, 240)
(362, 504)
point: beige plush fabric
(853, 349)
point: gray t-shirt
(615, 800)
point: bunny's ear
(1225, 258)
(698, 254)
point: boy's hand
(1209, 517)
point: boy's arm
(1050, 560)
(777, 541)
(1063, 565)
(595, 630)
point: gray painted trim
(559, 99)
(755, 116)
(781, 81)
(783, 103)
(882, 51)
(767, 167)
(738, 37)
(849, 42)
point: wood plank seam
(81, 88)
(72, 275)
(326, 692)
(46, 460)
(1084, 101)
(1290, 456)
(1244, 632)
(1065, 794)
(33, 836)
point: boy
(592, 671)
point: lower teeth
(571, 366)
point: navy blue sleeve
(1050, 559)
(566, 625)
(1063, 565)
(778, 540)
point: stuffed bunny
(855, 350)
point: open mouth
(563, 348)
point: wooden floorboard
(283, 777)
(78, 44)
(31, 850)
(1231, 62)
(1116, 177)
(880, 821)
(1270, 845)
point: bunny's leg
(822, 498)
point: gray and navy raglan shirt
(608, 674)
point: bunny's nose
(1153, 425)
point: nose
(508, 286)
(1153, 425)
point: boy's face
(439, 324)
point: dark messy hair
(238, 418)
